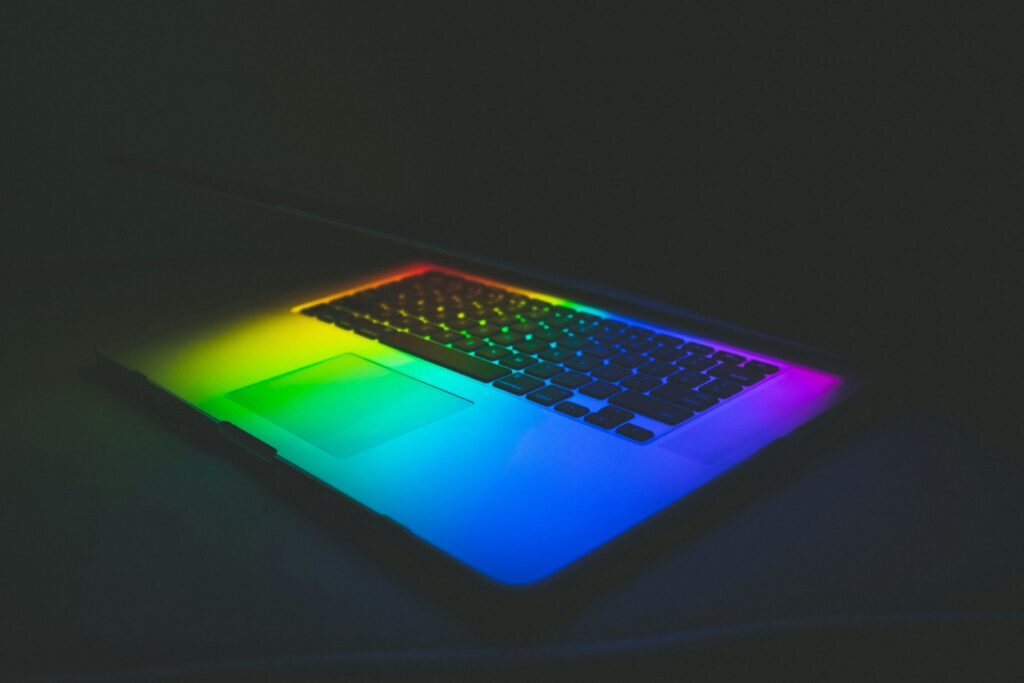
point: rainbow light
(516, 492)
(416, 269)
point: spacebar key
(651, 407)
(445, 357)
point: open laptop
(513, 421)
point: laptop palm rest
(347, 404)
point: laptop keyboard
(626, 379)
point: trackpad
(347, 404)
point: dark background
(843, 176)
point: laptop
(514, 421)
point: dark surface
(842, 177)
(134, 547)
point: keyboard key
(639, 345)
(571, 380)
(525, 327)
(641, 332)
(667, 353)
(326, 313)
(532, 346)
(696, 362)
(668, 340)
(759, 366)
(560, 322)
(572, 409)
(468, 344)
(424, 329)
(445, 337)
(519, 384)
(371, 329)
(634, 432)
(344, 320)
(721, 388)
(400, 321)
(694, 347)
(517, 361)
(653, 408)
(548, 334)
(629, 360)
(557, 355)
(734, 373)
(574, 343)
(445, 357)
(484, 331)
(492, 352)
(689, 378)
(612, 373)
(538, 314)
(507, 338)
(582, 363)
(609, 417)
(688, 398)
(611, 338)
(727, 357)
(514, 302)
(453, 284)
(600, 389)
(314, 311)
(352, 303)
(658, 369)
(544, 370)
(444, 317)
(549, 395)
(641, 382)
(600, 351)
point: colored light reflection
(512, 489)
